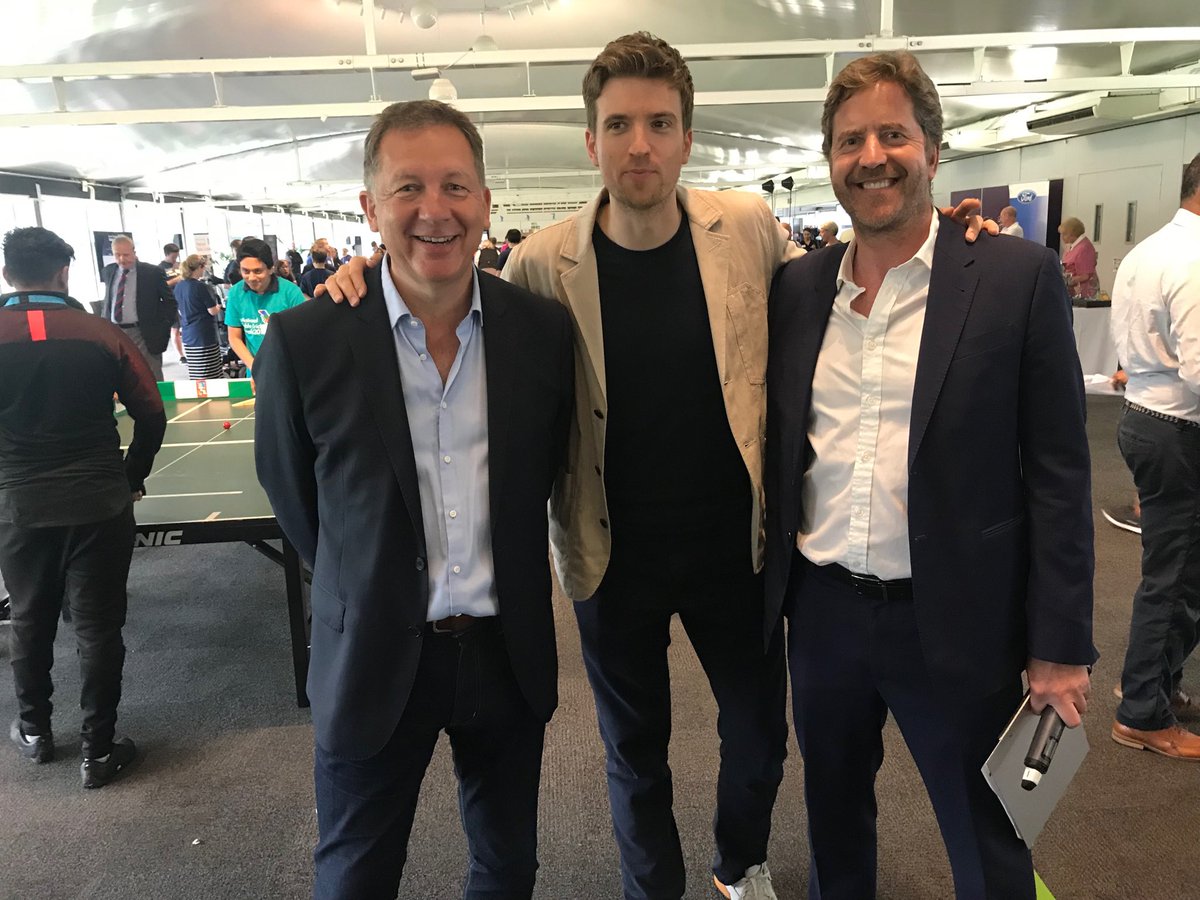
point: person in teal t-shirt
(253, 300)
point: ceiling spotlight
(443, 89)
(424, 15)
(485, 43)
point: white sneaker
(755, 885)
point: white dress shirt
(1156, 319)
(855, 492)
(1014, 229)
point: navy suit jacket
(155, 300)
(334, 453)
(999, 478)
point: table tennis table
(203, 490)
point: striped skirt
(203, 362)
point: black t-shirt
(678, 491)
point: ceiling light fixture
(443, 89)
(424, 15)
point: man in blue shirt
(409, 449)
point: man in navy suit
(138, 299)
(929, 526)
(409, 448)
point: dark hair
(895, 66)
(413, 115)
(1191, 179)
(234, 244)
(514, 236)
(253, 248)
(638, 55)
(168, 249)
(33, 256)
(320, 256)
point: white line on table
(201, 443)
(190, 409)
(202, 494)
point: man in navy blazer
(409, 447)
(929, 529)
(141, 302)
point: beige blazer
(739, 245)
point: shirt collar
(1186, 218)
(398, 309)
(924, 254)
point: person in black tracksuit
(66, 493)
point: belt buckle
(436, 630)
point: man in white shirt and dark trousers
(929, 523)
(1156, 329)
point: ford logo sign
(1026, 196)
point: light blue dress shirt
(449, 429)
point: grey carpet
(221, 805)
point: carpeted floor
(221, 806)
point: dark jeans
(465, 687)
(90, 565)
(853, 659)
(1164, 458)
(625, 632)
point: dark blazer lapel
(374, 348)
(952, 284)
(810, 326)
(499, 342)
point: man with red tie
(138, 300)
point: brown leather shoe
(1176, 742)
(1184, 706)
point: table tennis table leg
(297, 619)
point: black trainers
(1123, 517)
(5, 611)
(99, 772)
(39, 747)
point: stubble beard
(915, 205)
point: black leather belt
(1155, 414)
(867, 585)
(459, 624)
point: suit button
(420, 564)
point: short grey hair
(122, 239)
(413, 115)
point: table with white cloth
(1097, 354)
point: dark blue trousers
(625, 632)
(852, 660)
(1164, 458)
(365, 808)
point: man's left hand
(967, 214)
(1062, 686)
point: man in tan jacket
(662, 512)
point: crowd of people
(808, 507)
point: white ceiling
(268, 102)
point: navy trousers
(89, 565)
(1164, 458)
(625, 632)
(365, 808)
(852, 660)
